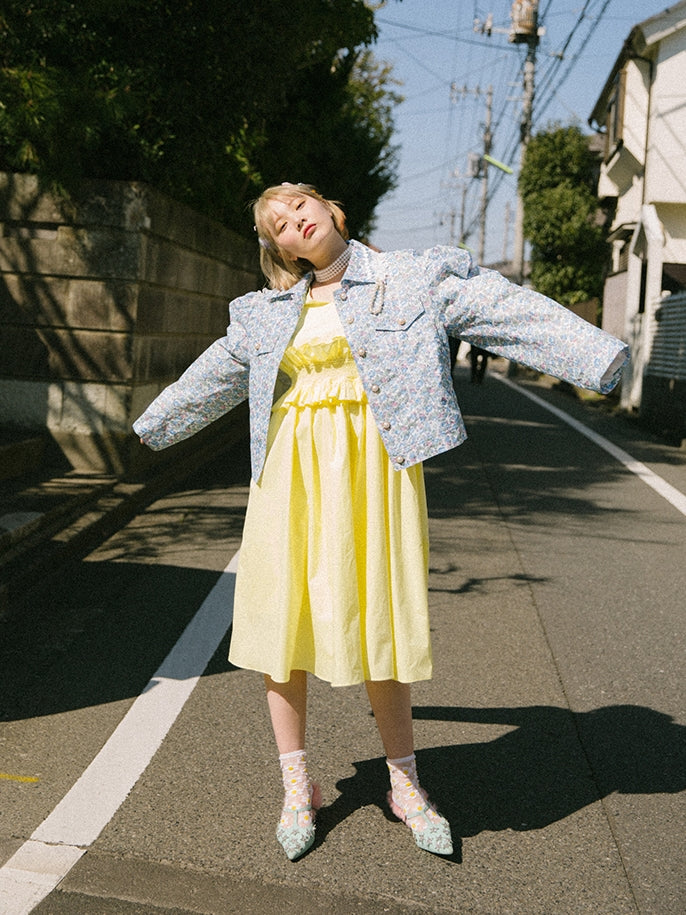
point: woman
(346, 362)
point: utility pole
(524, 30)
(478, 164)
(488, 139)
(463, 238)
(506, 231)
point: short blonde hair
(280, 270)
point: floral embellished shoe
(295, 831)
(302, 799)
(410, 804)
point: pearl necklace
(328, 273)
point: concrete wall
(614, 304)
(103, 301)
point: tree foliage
(206, 100)
(568, 240)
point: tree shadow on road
(552, 763)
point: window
(674, 277)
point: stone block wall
(103, 301)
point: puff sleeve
(483, 308)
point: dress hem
(418, 678)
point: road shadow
(552, 763)
(105, 646)
(521, 461)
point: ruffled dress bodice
(319, 363)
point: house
(641, 112)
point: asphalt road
(552, 734)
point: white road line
(652, 479)
(79, 818)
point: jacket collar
(296, 294)
(363, 268)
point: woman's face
(303, 227)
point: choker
(328, 273)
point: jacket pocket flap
(265, 341)
(399, 315)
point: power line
(431, 33)
(460, 131)
(560, 56)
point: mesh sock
(297, 786)
(407, 795)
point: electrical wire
(461, 129)
(541, 108)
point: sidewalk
(50, 516)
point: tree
(345, 126)
(205, 100)
(561, 215)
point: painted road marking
(18, 778)
(34, 871)
(652, 479)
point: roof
(638, 43)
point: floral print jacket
(397, 309)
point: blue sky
(432, 46)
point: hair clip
(262, 241)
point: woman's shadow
(551, 763)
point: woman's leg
(392, 706)
(288, 709)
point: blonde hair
(281, 271)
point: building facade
(642, 113)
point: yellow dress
(333, 569)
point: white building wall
(665, 161)
(636, 107)
(673, 219)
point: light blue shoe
(295, 831)
(431, 831)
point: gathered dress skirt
(333, 568)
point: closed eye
(299, 204)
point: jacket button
(343, 295)
(400, 460)
(257, 347)
(362, 352)
(375, 389)
(402, 322)
(386, 426)
(351, 319)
